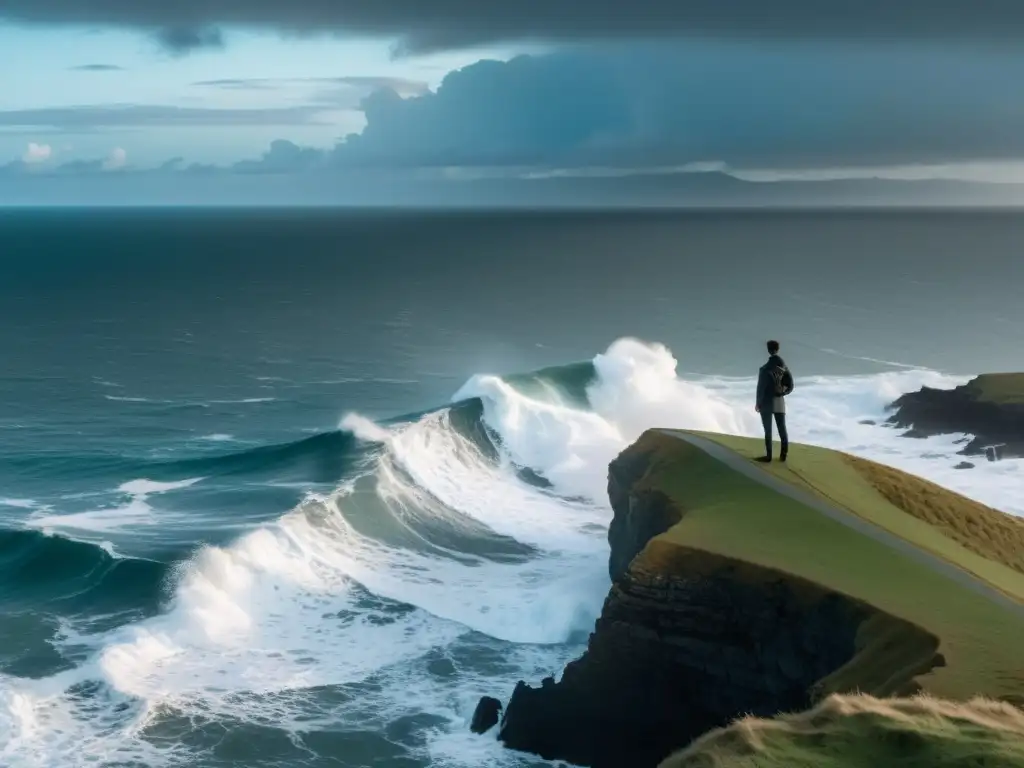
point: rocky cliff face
(944, 411)
(688, 641)
(641, 512)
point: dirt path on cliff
(743, 466)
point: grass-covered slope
(999, 388)
(865, 732)
(976, 538)
(729, 514)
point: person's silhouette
(774, 382)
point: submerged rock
(486, 715)
(964, 465)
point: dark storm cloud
(93, 117)
(283, 157)
(810, 104)
(174, 164)
(434, 24)
(97, 68)
(647, 106)
(185, 39)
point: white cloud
(116, 159)
(37, 153)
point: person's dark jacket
(767, 400)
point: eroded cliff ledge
(689, 640)
(990, 407)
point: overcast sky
(769, 90)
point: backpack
(778, 375)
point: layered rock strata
(689, 640)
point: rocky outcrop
(688, 640)
(486, 716)
(674, 656)
(966, 409)
(641, 512)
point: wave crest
(480, 525)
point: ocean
(296, 487)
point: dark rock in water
(964, 465)
(869, 422)
(488, 710)
(532, 477)
(989, 407)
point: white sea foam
(243, 401)
(364, 428)
(218, 437)
(135, 511)
(143, 488)
(636, 388)
(18, 503)
(254, 626)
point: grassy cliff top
(865, 732)
(975, 537)
(1000, 388)
(729, 514)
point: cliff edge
(990, 407)
(730, 599)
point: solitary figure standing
(774, 382)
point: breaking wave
(455, 551)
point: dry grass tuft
(983, 530)
(866, 732)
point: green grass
(975, 538)
(1001, 388)
(728, 514)
(865, 732)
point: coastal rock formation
(641, 512)
(990, 407)
(688, 640)
(486, 716)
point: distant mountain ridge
(408, 188)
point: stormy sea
(297, 487)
